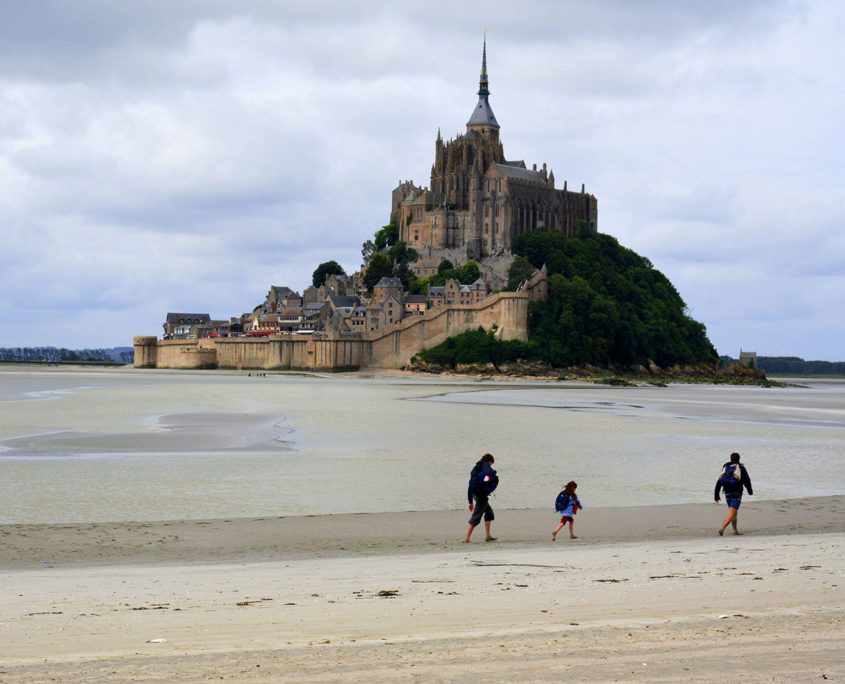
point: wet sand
(645, 594)
(330, 536)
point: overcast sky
(184, 156)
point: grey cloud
(245, 143)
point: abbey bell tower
(483, 121)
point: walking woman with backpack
(733, 478)
(482, 481)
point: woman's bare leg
(730, 518)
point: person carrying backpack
(567, 505)
(482, 481)
(733, 478)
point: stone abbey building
(479, 201)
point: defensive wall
(389, 347)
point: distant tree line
(793, 365)
(62, 355)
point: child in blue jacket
(567, 505)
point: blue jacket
(568, 504)
(734, 487)
(486, 470)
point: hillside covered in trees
(607, 305)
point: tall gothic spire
(482, 115)
(483, 82)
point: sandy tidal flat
(399, 598)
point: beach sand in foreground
(646, 594)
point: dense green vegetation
(327, 268)
(387, 256)
(606, 305)
(474, 346)
(380, 266)
(466, 274)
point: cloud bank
(185, 156)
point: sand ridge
(626, 601)
(269, 538)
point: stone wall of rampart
(175, 353)
(390, 347)
(393, 347)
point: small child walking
(567, 505)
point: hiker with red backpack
(482, 481)
(733, 478)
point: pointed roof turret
(482, 115)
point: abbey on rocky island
(479, 201)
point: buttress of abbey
(479, 201)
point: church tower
(478, 202)
(483, 121)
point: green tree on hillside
(469, 273)
(386, 237)
(325, 269)
(380, 267)
(520, 269)
(367, 251)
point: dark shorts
(566, 518)
(482, 508)
(733, 500)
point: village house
(357, 320)
(180, 326)
(387, 287)
(282, 297)
(435, 296)
(424, 267)
(415, 305)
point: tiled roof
(525, 175)
(188, 317)
(482, 114)
(344, 301)
(389, 281)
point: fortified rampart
(389, 347)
